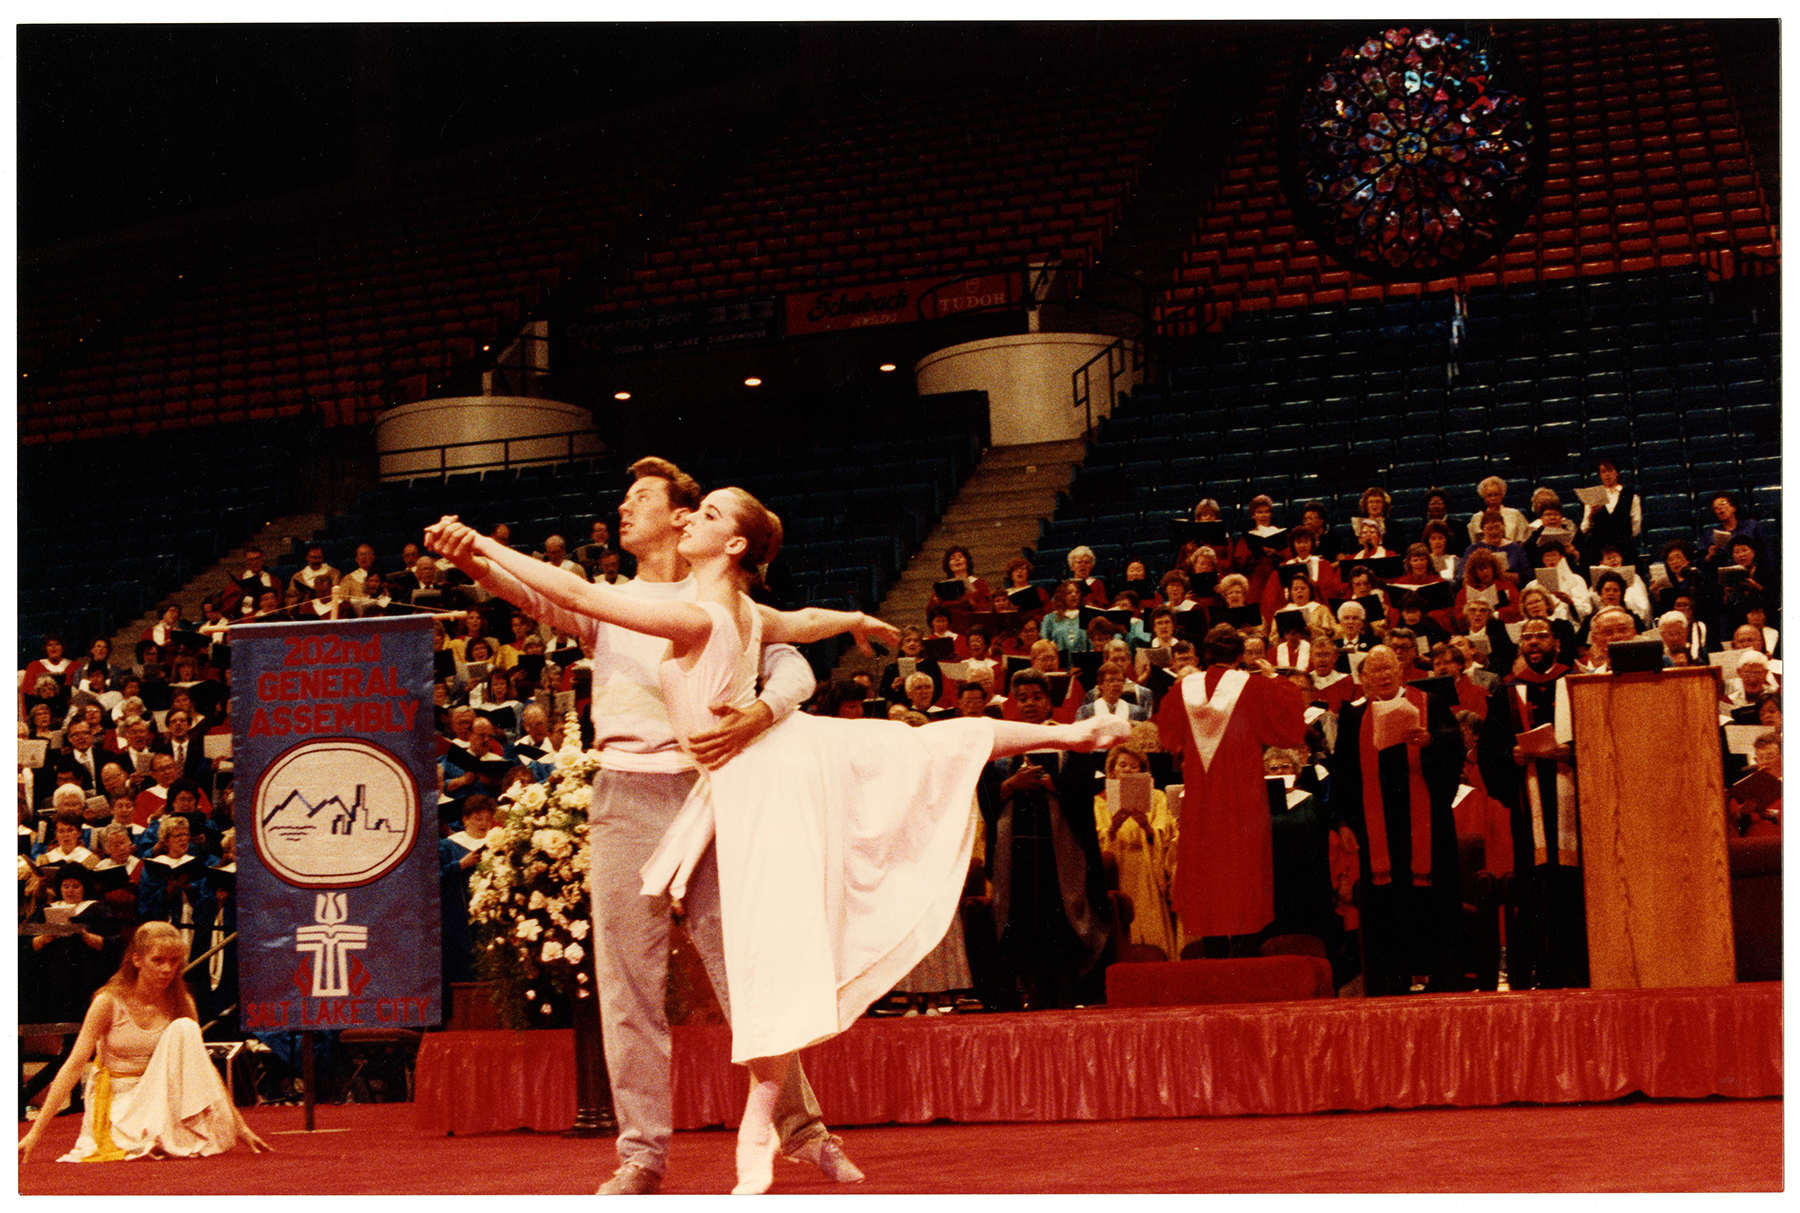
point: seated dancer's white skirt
(177, 1108)
(843, 847)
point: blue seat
(1750, 391)
(1411, 475)
(1663, 477)
(1719, 473)
(1607, 432)
(1523, 412)
(881, 551)
(1187, 469)
(1454, 471)
(862, 577)
(1512, 439)
(1661, 450)
(1703, 447)
(826, 552)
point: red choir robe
(1479, 814)
(1470, 697)
(1334, 691)
(1328, 587)
(1225, 865)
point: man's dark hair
(1224, 646)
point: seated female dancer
(153, 1090)
(842, 845)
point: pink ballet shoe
(756, 1163)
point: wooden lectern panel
(1653, 855)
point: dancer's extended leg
(1013, 737)
(757, 1140)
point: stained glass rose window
(1410, 154)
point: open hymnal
(1741, 738)
(1130, 793)
(1395, 719)
(1539, 742)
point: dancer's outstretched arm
(816, 623)
(684, 624)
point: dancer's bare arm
(684, 624)
(816, 623)
(99, 1014)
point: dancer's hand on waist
(737, 728)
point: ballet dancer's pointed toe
(755, 1165)
(1103, 732)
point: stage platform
(1446, 1050)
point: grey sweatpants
(629, 813)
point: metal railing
(1724, 260)
(506, 460)
(1124, 356)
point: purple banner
(336, 812)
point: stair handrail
(1122, 356)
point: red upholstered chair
(1756, 906)
(1295, 945)
(1182, 983)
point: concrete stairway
(995, 514)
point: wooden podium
(1653, 855)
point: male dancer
(644, 778)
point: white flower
(579, 928)
(552, 951)
(573, 953)
(529, 797)
(579, 797)
(528, 928)
(537, 901)
(553, 843)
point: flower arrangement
(529, 900)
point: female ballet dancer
(153, 1090)
(842, 845)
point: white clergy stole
(1210, 718)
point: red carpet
(1655, 1146)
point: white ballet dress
(843, 846)
(165, 1097)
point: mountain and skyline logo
(335, 813)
